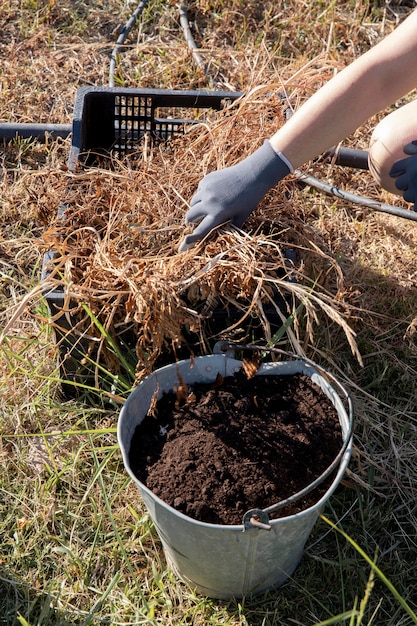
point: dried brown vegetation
(116, 245)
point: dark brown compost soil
(236, 445)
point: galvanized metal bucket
(222, 561)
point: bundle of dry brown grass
(116, 245)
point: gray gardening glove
(405, 172)
(231, 194)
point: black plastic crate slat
(133, 117)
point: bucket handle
(259, 518)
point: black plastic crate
(114, 120)
(111, 122)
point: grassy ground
(77, 545)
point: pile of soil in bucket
(221, 449)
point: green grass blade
(102, 599)
(98, 476)
(376, 569)
(338, 619)
(127, 366)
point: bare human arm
(371, 83)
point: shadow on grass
(21, 606)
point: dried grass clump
(116, 244)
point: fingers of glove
(402, 182)
(200, 231)
(208, 213)
(187, 243)
(410, 194)
(399, 167)
(205, 226)
(195, 213)
(199, 195)
(411, 148)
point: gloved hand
(405, 171)
(231, 194)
